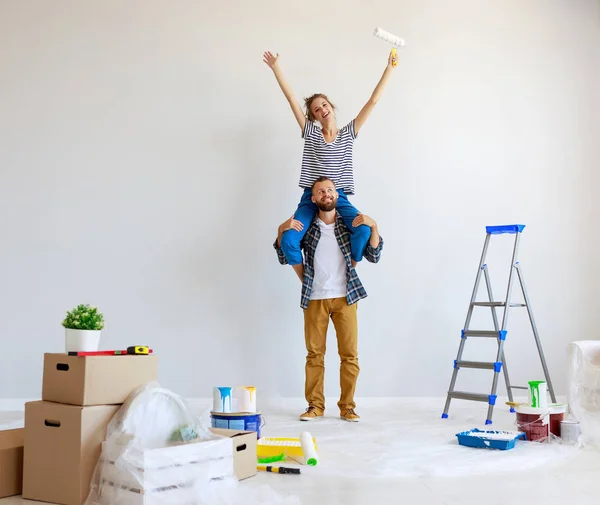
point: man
(330, 288)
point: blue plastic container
(242, 421)
(480, 439)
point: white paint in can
(245, 399)
(570, 431)
(222, 399)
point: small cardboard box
(95, 380)
(244, 451)
(11, 462)
(62, 447)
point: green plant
(84, 317)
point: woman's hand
(270, 60)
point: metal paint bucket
(237, 421)
(570, 431)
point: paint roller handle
(291, 471)
(393, 59)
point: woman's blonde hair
(308, 102)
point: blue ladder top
(507, 228)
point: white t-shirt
(330, 266)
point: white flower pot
(82, 340)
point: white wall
(147, 157)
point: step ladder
(499, 332)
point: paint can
(557, 415)
(534, 422)
(570, 431)
(222, 399)
(245, 397)
(538, 394)
(240, 421)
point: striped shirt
(355, 291)
(333, 160)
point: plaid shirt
(354, 288)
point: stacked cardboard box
(11, 461)
(64, 431)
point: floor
(402, 452)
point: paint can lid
(235, 414)
(558, 408)
(527, 409)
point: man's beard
(327, 206)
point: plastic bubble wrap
(584, 388)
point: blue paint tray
(484, 439)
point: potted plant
(83, 325)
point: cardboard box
(173, 474)
(244, 451)
(11, 462)
(95, 380)
(62, 447)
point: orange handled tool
(134, 349)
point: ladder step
(520, 387)
(497, 304)
(484, 333)
(482, 365)
(508, 228)
(478, 397)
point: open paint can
(534, 422)
(222, 399)
(538, 394)
(245, 397)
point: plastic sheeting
(158, 452)
(584, 388)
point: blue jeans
(305, 213)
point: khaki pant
(316, 321)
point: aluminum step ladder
(499, 332)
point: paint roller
(391, 39)
(308, 449)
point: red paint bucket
(534, 422)
(557, 416)
(538, 424)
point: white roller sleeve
(388, 37)
(308, 449)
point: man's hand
(363, 219)
(366, 220)
(290, 224)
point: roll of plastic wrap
(584, 388)
(308, 449)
